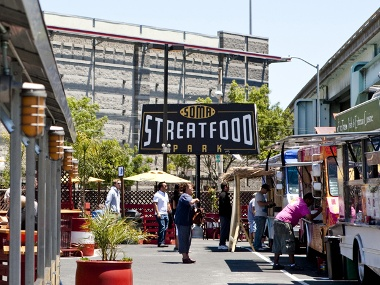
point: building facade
(123, 66)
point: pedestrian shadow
(165, 250)
(172, 262)
(258, 283)
(245, 265)
(237, 249)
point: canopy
(93, 179)
(90, 179)
(235, 174)
(157, 176)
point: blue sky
(312, 30)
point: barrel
(78, 234)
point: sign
(121, 171)
(200, 129)
(361, 118)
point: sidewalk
(153, 265)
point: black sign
(200, 129)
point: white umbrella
(93, 179)
(157, 176)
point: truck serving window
(373, 158)
(332, 176)
(292, 180)
(355, 161)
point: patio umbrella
(93, 179)
(157, 176)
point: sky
(311, 30)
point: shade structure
(93, 179)
(75, 180)
(157, 176)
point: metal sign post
(121, 176)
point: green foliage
(213, 198)
(206, 100)
(273, 122)
(180, 162)
(110, 231)
(83, 113)
(236, 94)
(6, 177)
(98, 157)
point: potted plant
(109, 232)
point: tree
(98, 157)
(6, 177)
(84, 117)
(181, 162)
(273, 122)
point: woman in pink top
(283, 239)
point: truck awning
(322, 139)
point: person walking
(174, 203)
(251, 218)
(162, 209)
(225, 210)
(184, 220)
(283, 239)
(113, 197)
(261, 214)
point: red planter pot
(101, 272)
(77, 223)
(88, 249)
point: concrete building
(123, 66)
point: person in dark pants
(184, 220)
(283, 239)
(162, 209)
(174, 203)
(261, 214)
(225, 210)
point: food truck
(345, 172)
(309, 168)
(320, 178)
(358, 225)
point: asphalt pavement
(156, 265)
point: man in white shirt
(162, 209)
(113, 197)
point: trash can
(334, 258)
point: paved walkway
(153, 265)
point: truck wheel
(365, 274)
